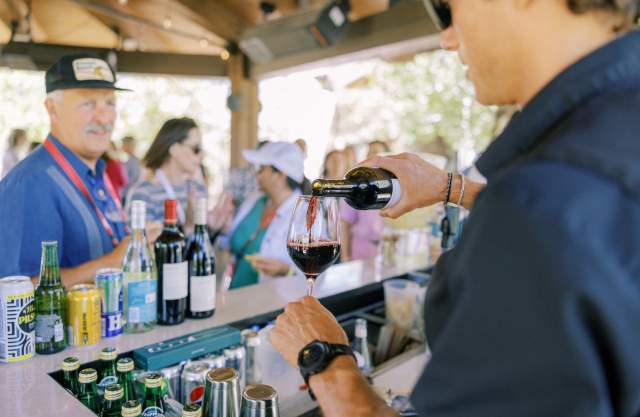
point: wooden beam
(67, 23)
(404, 28)
(44, 55)
(213, 16)
(244, 110)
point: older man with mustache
(60, 191)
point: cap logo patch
(92, 69)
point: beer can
(215, 361)
(17, 318)
(109, 282)
(235, 357)
(251, 342)
(83, 315)
(193, 377)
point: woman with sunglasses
(536, 311)
(172, 162)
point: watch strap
(335, 350)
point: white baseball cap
(286, 157)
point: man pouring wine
(535, 311)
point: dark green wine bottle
(51, 303)
(131, 409)
(202, 267)
(70, 367)
(88, 394)
(153, 402)
(112, 405)
(125, 378)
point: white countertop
(27, 390)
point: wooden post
(244, 107)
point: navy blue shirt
(536, 312)
(38, 202)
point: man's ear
(50, 105)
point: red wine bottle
(173, 277)
(363, 188)
(202, 278)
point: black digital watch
(317, 356)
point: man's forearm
(86, 272)
(341, 390)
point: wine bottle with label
(139, 273)
(202, 278)
(173, 277)
(363, 188)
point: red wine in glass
(314, 258)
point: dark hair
(627, 10)
(172, 131)
(326, 158)
(128, 139)
(385, 145)
(291, 183)
(15, 135)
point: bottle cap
(113, 392)
(191, 410)
(131, 408)
(153, 380)
(108, 354)
(170, 213)
(70, 364)
(87, 375)
(201, 211)
(124, 365)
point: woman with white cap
(258, 235)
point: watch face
(312, 354)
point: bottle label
(49, 328)
(152, 411)
(175, 281)
(359, 359)
(396, 193)
(141, 300)
(111, 324)
(361, 332)
(203, 293)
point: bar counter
(28, 390)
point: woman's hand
(222, 213)
(268, 266)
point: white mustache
(95, 128)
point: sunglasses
(440, 12)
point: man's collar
(615, 64)
(77, 163)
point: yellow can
(83, 312)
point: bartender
(60, 191)
(535, 312)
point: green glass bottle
(51, 303)
(131, 409)
(125, 378)
(153, 402)
(108, 375)
(88, 394)
(70, 367)
(112, 405)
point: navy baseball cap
(82, 70)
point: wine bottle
(139, 274)
(361, 347)
(363, 188)
(173, 278)
(202, 278)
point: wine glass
(314, 236)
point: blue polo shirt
(38, 202)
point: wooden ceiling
(202, 27)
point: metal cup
(259, 401)
(221, 393)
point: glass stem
(310, 282)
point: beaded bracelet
(448, 194)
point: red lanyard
(75, 179)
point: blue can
(109, 282)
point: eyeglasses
(440, 12)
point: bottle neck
(333, 188)
(171, 225)
(49, 267)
